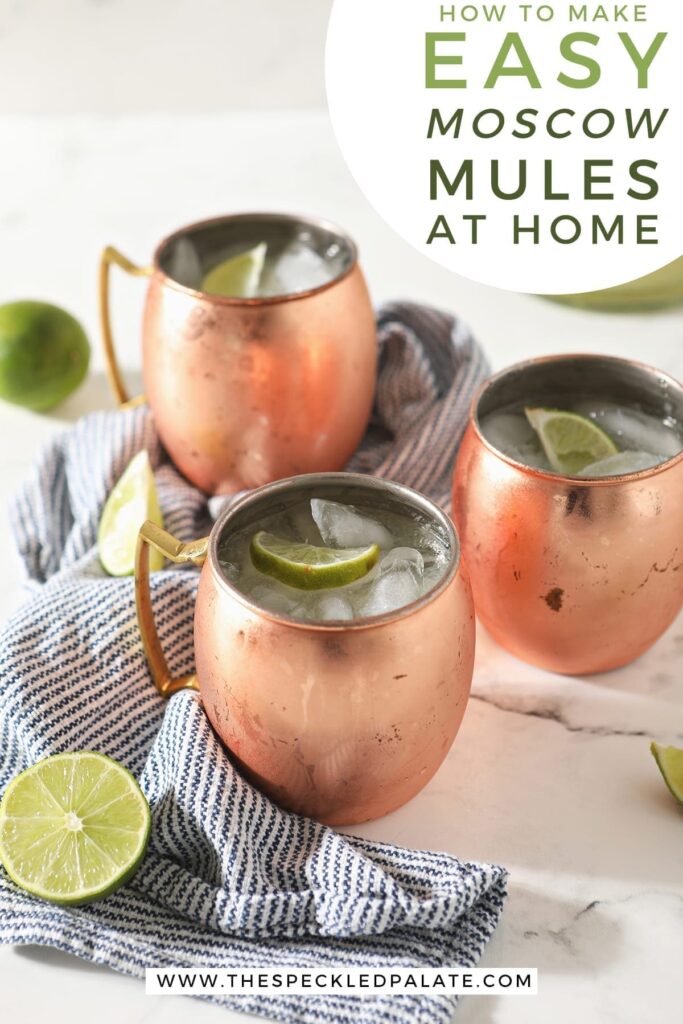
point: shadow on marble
(47, 956)
(644, 699)
(656, 674)
(654, 790)
(649, 675)
(526, 791)
(558, 937)
(555, 935)
(477, 1010)
(93, 395)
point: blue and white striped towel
(229, 880)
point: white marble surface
(114, 56)
(549, 776)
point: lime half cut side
(570, 441)
(73, 827)
(307, 567)
(670, 763)
(238, 277)
(133, 500)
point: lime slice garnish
(670, 762)
(570, 441)
(239, 276)
(133, 500)
(307, 567)
(73, 827)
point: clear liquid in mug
(644, 439)
(288, 269)
(414, 556)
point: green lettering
(569, 53)
(474, 219)
(441, 230)
(642, 62)
(518, 230)
(521, 181)
(643, 179)
(574, 225)
(433, 60)
(525, 119)
(525, 69)
(646, 119)
(617, 227)
(550, 127)
(548, 182)
(437, 176)
(643, 228)
(436, 121)
(590, 179)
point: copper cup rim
(558, 478)
(269, 300)
(337, 625)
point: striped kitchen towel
(229, 880)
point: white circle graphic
(534, 147)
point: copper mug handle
(111, 255)
(177, 551)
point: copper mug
(574, 575)
(245, 391)
(342, 721)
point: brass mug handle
(175, 550)
(111, 255)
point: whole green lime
(44, 354)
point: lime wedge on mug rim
(132, 501)
(73, 827)
(308, 567)
(570, 441)
(670, 763)
(239, 276)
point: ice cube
(185, 266)
(341, 526)
(433, 575)
(230, 569)
(512, 434)
(622, 462)
(333, 606)
(276, 597)
(297, 268)
(411, 555)
(505, 429)
(634, 429)
(399, 582)
(299, 522)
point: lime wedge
(239, 276)
(73, 827)
(570, 441)
(133, 500)
(307, 567)
(670, 762)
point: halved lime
(570, 441)
(73, 827)
(307, 567)
(670, 763)
(133, 500)
(239, 276)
